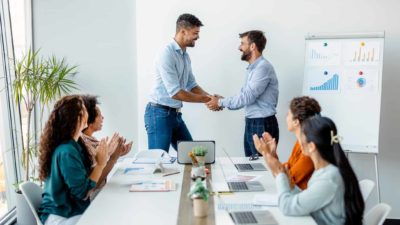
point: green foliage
(39, 80)
(199, 151)
(198, 190)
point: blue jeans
(164, 127)
(259, 126)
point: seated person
(333, 195)
(116, 145)
(300, 166)
(64, 166)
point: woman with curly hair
(64, 166)
(299, 166)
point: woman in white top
(333, 195)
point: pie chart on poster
(361, 82)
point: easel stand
(376, 170)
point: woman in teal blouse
(64, 166)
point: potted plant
(199, 194)
(38, 81)
(200, 152)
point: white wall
(99, 36)
(218, 69)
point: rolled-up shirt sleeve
(75, 174)
(295, 203)
(166, 67)
(251, 91)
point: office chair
(377, 215)
(366, 187)
(33, 196)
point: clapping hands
(213, 103)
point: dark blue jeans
(259, 126)
(164, 127)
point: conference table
(115, 204)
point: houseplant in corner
(199, 194)
(38, 81)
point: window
(12, 28)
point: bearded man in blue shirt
(259, 94)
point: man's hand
(213, 103)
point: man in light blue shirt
(259, 94)
(174, 84)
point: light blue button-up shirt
(259, 94)
(323, 198)
(173, 73)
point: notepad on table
(266, 199)
(153, 185)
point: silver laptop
(262, 217)
(244, 186)
(247, 167)
(184, 147)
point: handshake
(212, 104)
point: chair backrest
(366, 187)
(377, 215)
(33, 196)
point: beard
(246, 55)
(191, 43)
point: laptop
(245, 186)
(262, 217)
(184, 147)
(247, 167)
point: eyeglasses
(254, 157)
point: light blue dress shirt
(173, 72)
(259, 95)
(323, 198)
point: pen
(168, 174)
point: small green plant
(199, 151)
(199, 191)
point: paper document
(153, 185)
(266, 199)
(164, 160)
(242, 178)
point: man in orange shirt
(300, 167)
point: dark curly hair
(257, 37)
(187, 21)
(304, 107)
(60, 127)
(90, 102)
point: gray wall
(100, 36)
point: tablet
(184, 147)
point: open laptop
(247, 167)
(262, 217)
(184, 147)
(245, 186)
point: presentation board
(344, 73)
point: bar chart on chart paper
(362, 52)
(323, 80)
(323, 53)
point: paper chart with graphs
(342, 66)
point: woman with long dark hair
(64, 166)
(333, 195)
